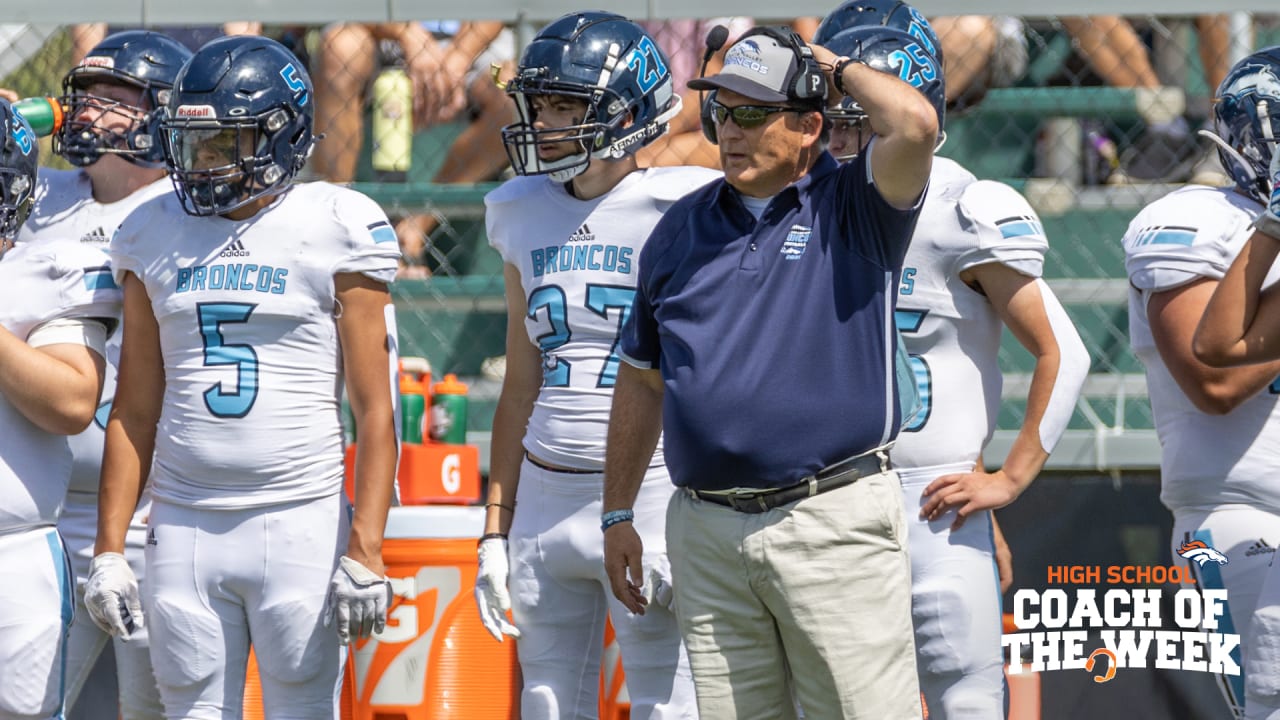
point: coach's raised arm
(761, 341)
(904, 123)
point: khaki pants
(807, 604)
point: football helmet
(19, 155)
(238, 124)
(894, 52)
(1246, 121)
(612, 65)
(136, 59)
(879, 13)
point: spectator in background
(86, 37)
(1166, 151)
(979, 53)
(448, 64)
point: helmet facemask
(221, 164)
(16, 199)
(848, 117)
(606, 130)
(116, 128)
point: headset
(808, 86)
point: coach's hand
(357, 602)
(111, 595)
(623, 555)
(491, 588)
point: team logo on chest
(797, 240)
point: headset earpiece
(810, 83)
(708, 123)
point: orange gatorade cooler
(253, 692)
(430, 474)
(434, 661)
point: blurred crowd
(424, 101)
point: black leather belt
(570, 471)
(845, 472)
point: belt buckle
(748, 502)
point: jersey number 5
(211, 317)
(600, 300)
(909, 321)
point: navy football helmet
(1246, 121)
(896, 53)
(879, 13)
(136, 59)
(612, 65)
(238, 124)
(19, 155)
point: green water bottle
(392, 125)
(449, 411)
(412, 407)
(44, 114)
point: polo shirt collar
(825, 165)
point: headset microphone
(716, 38)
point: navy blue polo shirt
(775, 339)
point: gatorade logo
(451, 473)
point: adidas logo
(582, 234)
(151, 536)
(236, 249)
(1259, 548)
(97, 237)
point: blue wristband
(613, 517)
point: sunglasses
(746, 116)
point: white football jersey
(45, 281)
(65, 208)
(66, 211)
(246, 313)
(951, 331)
(578, 262)
(1205, 460)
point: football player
(591, 89)
(249, 301)
(1218, 425)
(973, 267)
(61, 306)
(112, 99)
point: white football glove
(1269, 223)
(111, 595)
(491, 588)
(657, 586)
(357, 602)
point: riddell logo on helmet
(196, 111)
(98, 61)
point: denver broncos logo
(1201, 553)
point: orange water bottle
(449, 411)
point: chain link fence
(1089, 117)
